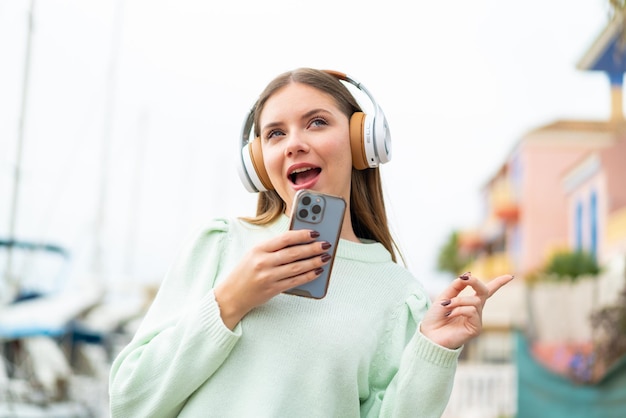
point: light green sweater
(357, 352)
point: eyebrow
(306, 115)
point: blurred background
(119, 135)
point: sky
(132, 111)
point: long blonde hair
(367, 205)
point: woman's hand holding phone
(286, 261)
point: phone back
(322, 213)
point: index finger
(461, 283)
(482, 289)
(289, 238)
(494, 284)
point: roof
(589, 134)
(608, 52)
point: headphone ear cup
(252, 170)
(357, 141)
(256, 156)
(370, 142)
(382, 137)
(244, 166)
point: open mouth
(303, 175)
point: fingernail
(325, 257)
(325, 245)
(465, 276)
(319, 271)
(446, 302)
(315, 234)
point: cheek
(272, 161)
(341, 153)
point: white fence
(483, 391)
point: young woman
(222, 339)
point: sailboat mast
(11, 280)
(98, 261)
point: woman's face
(306, 142)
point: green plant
(450, 258)
(570, 265)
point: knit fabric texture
(357, 352)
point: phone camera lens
(303, 213)
(306, 200)
(316, 209)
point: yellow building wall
(490, 267)
(616, 228)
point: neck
(347, 232)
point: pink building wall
(614, 161)
(593, 184)
(543, 220)
(602, 173)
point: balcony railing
(483, 391)
(504, 204)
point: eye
(318, 121)
(274, 133)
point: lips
(304, 175)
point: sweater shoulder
(228, 237)
(222, 227)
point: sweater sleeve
(411, 376)
(181, 341)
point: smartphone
(322, 213)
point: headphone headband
(370, 141)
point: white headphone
(369, 138)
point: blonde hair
(367, 205)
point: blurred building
(561, 188)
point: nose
(296, 143)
